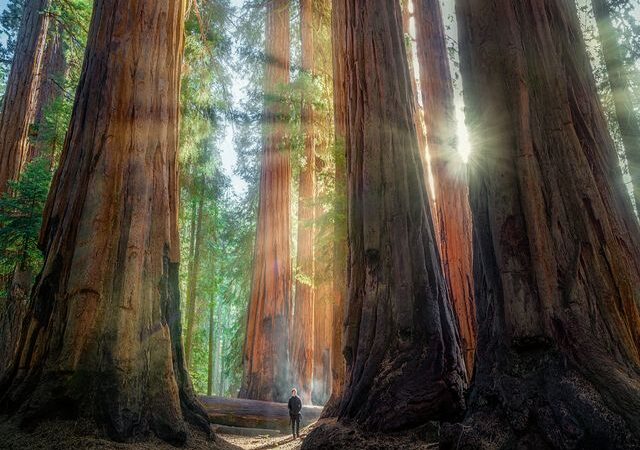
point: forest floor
(80, 435)
(67, 435)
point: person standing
(295, 406)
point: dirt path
(262, 442)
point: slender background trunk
(19, 103)
(452, 213)
(617, 73)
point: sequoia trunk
(303, 318)
(617, 73)
(452, 213)
(404, 365)
(266, 345)
(556, 244)
(102, 337)
(340, 251)
(22, 87)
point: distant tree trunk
(265, 355)
(628, 120)
(452, 213)
(52, 69)
(322, 341)
(22, 87)
(404, 365)
(303, 318)
(212, 343)
(340, 251)
(102, 337)
(556, 244)
(192, 288)
(418, 115)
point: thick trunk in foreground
(302, 349)
(452, 213)
(265, 353)
(404, 365)
(22, 88)
(340, 250)
(102, 337)
(617, 73)
(556, 260)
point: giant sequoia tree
(340, 250)
(404, 364)
(303, 323)
(102, 337)
(19, 105)
(266, 345)
(452, 213)
(556, 245)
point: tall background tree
(105, 313)
(21, 91)
(302, 327)
(266, 349)
(556, 262)
(452, 213)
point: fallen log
(236, 412)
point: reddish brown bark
(404, 365)
(340, 250)
(102, 337)
(267, 339)
(302, 337)
(22, 87)
(322, 339)
(452, 214)
(556, 245)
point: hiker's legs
(297, 422)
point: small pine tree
(21, 218)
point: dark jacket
(295, 406)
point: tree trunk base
(81, 434)
(332, 434)
(550, 407)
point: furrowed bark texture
(404, 365)
(267, 338)
(102, 337)
(303, 318)
(452, 212)
(340, 249)
(22, 87)
(628, 119)
(556, 263)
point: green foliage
(21, 218)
